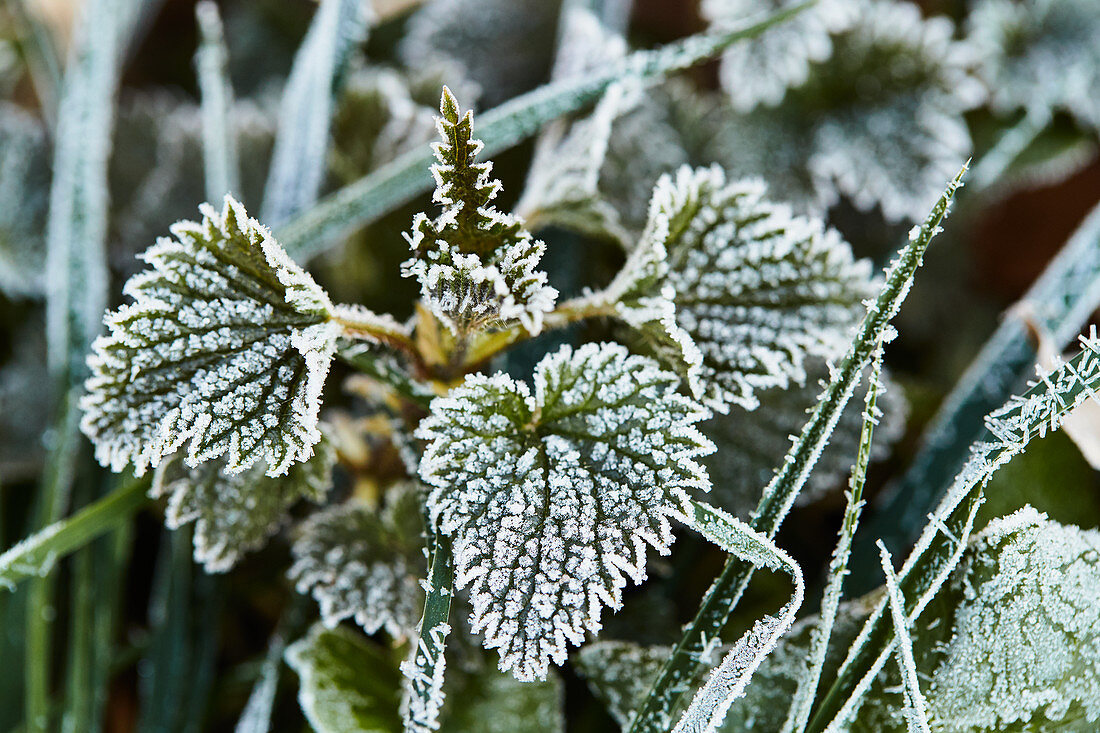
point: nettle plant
(544, 448)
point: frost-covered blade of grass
(406, 177)
(76, 259)
(915, 708)
(305, 113)
(1062, 299)
(219, 137)
(424, 669)
(780, 494)
(1042, 408)
(732, 675)
(838, 566)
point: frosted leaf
(884, 113)
(756, 290)
(1026, 633)
(226, 346)
(504, 46)
(346, 682)
(552, 497)
(563, 182)
(235, 513)
(752, 443)
(1039, 53)
(620, 674)
(24, 197)
(476, 266)
(363, 564)
(760, 70)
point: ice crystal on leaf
(235, 513)
(734, 289)
(760, 70)
(363, 564)
(226, 345)
(1027, 632)
(552, 497)
(476, 266)
(1042, 53)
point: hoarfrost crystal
(226, 345)
(552, 497)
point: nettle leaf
(236, 513)
(365, 564)
(1039, 53)
(752, 443)
(476, 266)
(347, 682)
(24, 198)
(226, 346)
(1026, 634)
(552, 497)
(754, 291)
(760, 70)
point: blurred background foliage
(185, 648)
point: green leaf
(552, 497)
(348, 684)
(494, 702)
(755, 289)
(365, 564)
(227, 346)
(236, 512)
(476, 266)
(1023, 649)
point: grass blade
(398, 182)
(219, 138)
(298, 160)
(425, 667)
(780, 494)
(1042, 408)
(838, 566)
(1062, 299)
(916, 709)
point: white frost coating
(24, 199)
(236, 512)
(476, 266)
(226, 345)
(760, 70)
(897, 131)
(364, 564)
(1027, 633)
(736, 287)
(1039, 53)
(426, 668)
(730, 678)
(551, 498)
(916, 713)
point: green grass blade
(780, 494)
(36, 555)
(941, 544)
(301, 145)
(398, 182)
(219, 139)
(424, 669)
(42, 59)
(1062, 299)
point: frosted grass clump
(225, 347)
(476, 266)
(1039, 54)
(551, 498)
